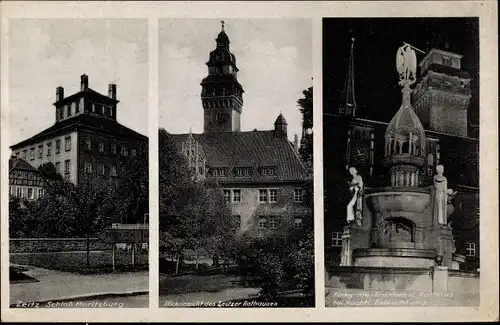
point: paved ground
(205, 289)
(55, 285)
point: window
(88, 144)
(67, 166)
(67, 143)
(222, 172)
(133, 152)
(101, 147)
(68, 110)
(112, 172)
(273, 196)
(11, 190)
(88, 167)
(77, 106)
(297, 222)
(298, 195)
(237, 221)
(58, 146)
(336, 239)
(25, 152)
(19, 192)
(470, 249)
(111, 112)
(124, 151)
(58, 167)
(227, 195)
(263, 196)
(31, 193)
(113, 149)
(49, 148)
(61, 112)
(268, 171)
(40, 192)
(236, 195)
(32, 153)
(242, 171)
(273, 222)
(101, 169)
(262, 223)
(40, 151)
(446, 60)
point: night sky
(378, 95)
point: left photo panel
(78, 166)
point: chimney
(84, 82)
(296, 142)
(59, 93)
(112, 91)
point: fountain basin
(389, 200)
(394, 257)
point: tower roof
(280, 119)
(404, 121)
(348, 104)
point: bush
(271, 272)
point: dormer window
(268, 171)
(243, 171)
(219, 172)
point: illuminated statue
(406, 64)
(355, 205)
(441, 196)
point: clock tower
(222, 94)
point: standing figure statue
(355, 205)
(450, 194)
(406, 64)
(441, 197)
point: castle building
(25, 181)
(260, 172)
(86, 141)
(388, 154)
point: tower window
(58, 146)
(67, 143)
(40, 151)
(77, 106)
(446, 61)
(49, 148)
(68, 110)
(113, 148)
(32, 153)
(88, 144)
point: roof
(18, 163)
(405, 120)
(250, 149)
(280, 120)
(87, 91)
(83, 122)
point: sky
(47, 53)
(275, 61)
(378, 95)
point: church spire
(348, 100)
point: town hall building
(260, 172)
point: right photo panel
(401, 161)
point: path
(55, 285)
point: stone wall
(34, 245)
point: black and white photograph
(401, 161)
(235, 163)
(78, 167)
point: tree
(83, 210)
(306, 146)
(132, 194)
(193, 215)
(49, 172)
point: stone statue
(406, 64)
(355, 205)
(441, 196)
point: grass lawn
(100, 261)
(199, 283)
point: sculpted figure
(406, 64)
(355, 205)
(450, 194)
(441, 197)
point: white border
(486, 10)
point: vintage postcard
(255, 161)
(78, 172)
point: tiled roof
(83, 122)
(87, 91)
(19, 163)
(249, 149)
